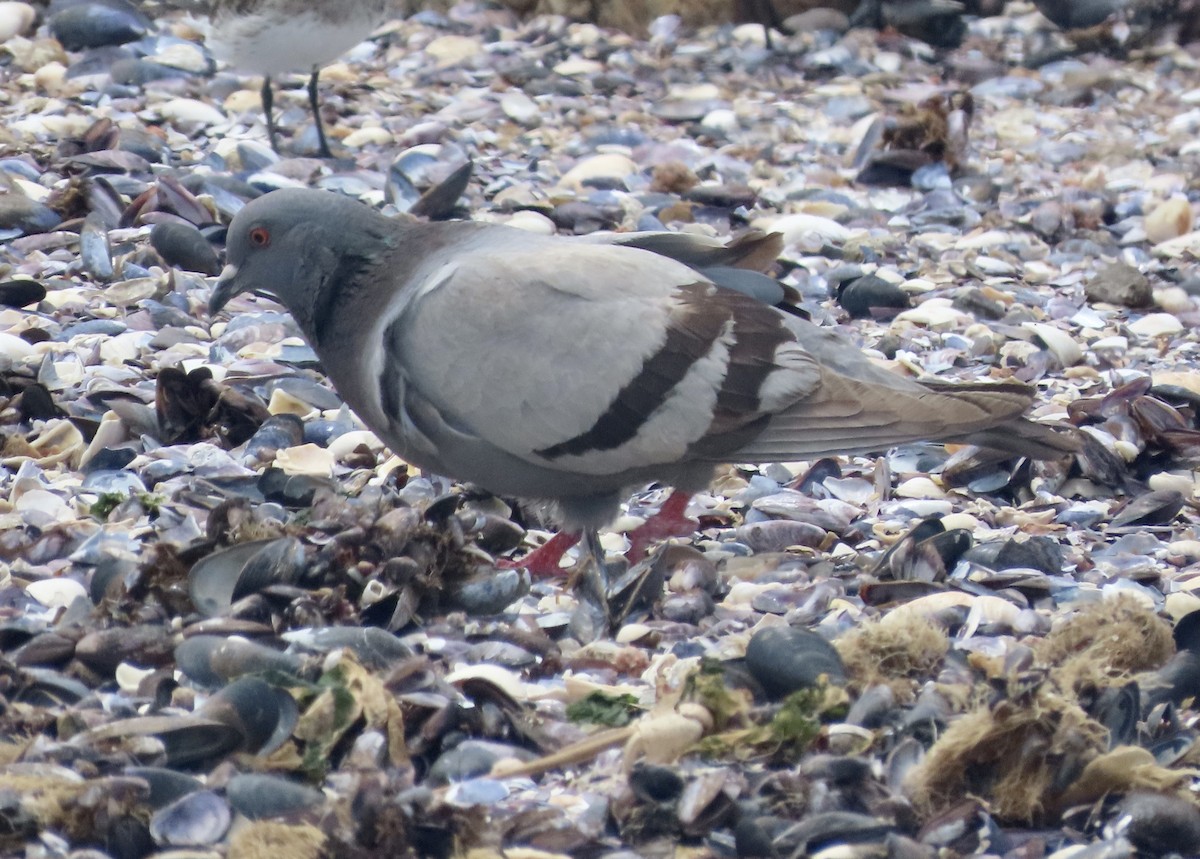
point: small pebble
(1169, 219)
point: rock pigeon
(570, 370)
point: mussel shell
(925, 554)
(47, 688)
(1153, 508)
(374, 647)
(224, 577)
(166, 785)
(186, 740)
(1154, 417)
(211, 661)
(263, 714)
(1118, 708)
(213, 579)
(259, 796)
(193, 820)
(279, 562)
(785, 660)
(1187, 632)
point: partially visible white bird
(273, 37)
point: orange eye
(260, 237)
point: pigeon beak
(227, 287)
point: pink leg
(669, 521)
(542, 562)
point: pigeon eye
(260, 237)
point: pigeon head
(299, 246)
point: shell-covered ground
(233, 624)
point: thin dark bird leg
(589, 581)
(268, 105)
(316, 112)
(764, 12)
(591, 576)
(591, 542)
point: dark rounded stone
(786, 660)
(867, 295)
(776, 535)
(277, 432)
(183, 246)
(95, 25)
(1120, 284)
(260, 796)
(37, 403)
(656, 783)
(138, 71)
(1187, 632)
(471, 759)
(1159, 825)
(21, 293)
(487, 593)
(1037, 553)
